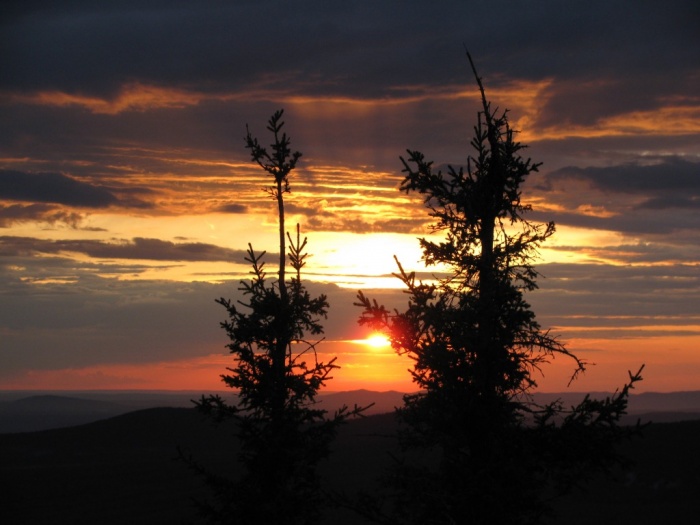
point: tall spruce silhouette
(476, 448)
(277, 374)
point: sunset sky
(127, 198)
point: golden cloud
(667, 121)
(132, 97)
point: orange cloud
(132, 97)
(667, 121)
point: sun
(377, 340)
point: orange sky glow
(127, 198)
(334, 201)
(351, 213)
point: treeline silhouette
(473, 445)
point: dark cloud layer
(137, 248)
(52, 187)
(233, 208)
(642, 223)
(93, 321)
(596, 291)
(335, 47)
(654, 195)
(57, 188)
(14, 213)
(649, 176)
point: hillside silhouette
(124, 470)
(52, 411)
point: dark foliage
(277, 376)
(476, 449)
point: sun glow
(377, 340)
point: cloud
(671, 202)
(98, 321)
(652, 292)
(366, 49)
(59, 274)
(632, 102)
(137, 248)
(58, 188)
(14, 213)
(649, 175)
(107, 321)
(358, 225)
(654, 195)
(639, 253)
(54, 188)
(131, 97)
(652, 224)
(233, 208)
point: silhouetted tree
(277, 375)
(477, 449)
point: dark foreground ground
(123, 471)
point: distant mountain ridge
(124, 470)
(35, 411)
(42, 412)
(647, 406)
